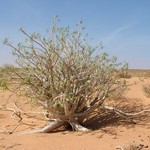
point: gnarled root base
(57, 124)
(52, 126)
(49, 128)
(78, 127)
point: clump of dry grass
(147, 74)
(118, 94)
(4, 77)
(125, 75)
(146, 89)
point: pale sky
(123, 26)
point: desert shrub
(3, 83)
(64, 74)
(125, 75)
(146, 89)
(131, 146)
(5, 77)
(146, 74)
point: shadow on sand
(107, 118)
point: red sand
(107, 137)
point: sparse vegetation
(119, 94)
(4, 75)
(125, 75)
(146, 74)
(146, 89)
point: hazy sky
(123, 26)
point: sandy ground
(107, 134)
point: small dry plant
(125, 75)
(146, 89)
(5, 77)
(67, 76)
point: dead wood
(49, 128)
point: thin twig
(15, 127)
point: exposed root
(49, 128)
(57, 123)
(124, 114)
(78, 127)
(119, 147)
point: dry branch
(124, 114)
(48, 128)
